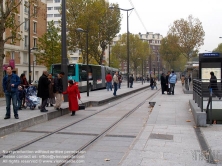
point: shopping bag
(82, 106)
(169, 86)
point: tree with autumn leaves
(101, 23)
(50, 46)
(184, 38)
(139, 52)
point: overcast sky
(158, 15)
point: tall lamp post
(64, 59)
(127, 10)
(87, 56)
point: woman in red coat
(73, 93)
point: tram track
(73, 123)
(103, 133)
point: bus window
(55, 70)
(83, 72)
(71, 70)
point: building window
(26, 24)
(56, 23)
(49, 15)
(35, 27)
(26, 41)
(49, 8)
(12, 55)
(35, 42)
(57, 1)
(153, 37)
(26, 10)
(57, 15)
(25, 57)
(57, 8)
(35, 11)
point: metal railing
(201, 91)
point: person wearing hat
(73, 96)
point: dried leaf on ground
(107, 159)
(188, 120)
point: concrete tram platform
(170, 136)
(29, 117)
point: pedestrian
(182, 80)
(115, 82)
(20, 94)
(109, 81)
(131, 79)
(163, 82)
(25, 85)
(51, 99)
(73, 96)
(10, 85)
(58, 89)
(167, 82)
(120, 80)
(43, 90)
(154, 83)
(172, 81)
(151, 83)
(213, 85)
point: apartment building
(19, 52)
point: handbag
(82, 106)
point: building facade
(19, 51)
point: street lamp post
(127, 10)
(64, 59)
(87, 56)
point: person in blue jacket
(172, 81)
(10, 85)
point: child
(20, 95)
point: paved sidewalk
(169, 136)
(29, 117)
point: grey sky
(158, 15)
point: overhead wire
(138, 15)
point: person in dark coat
(163, 82)
(213, 85)
(73, 96)
(131, 79)
(151, 83)
(51, 99)
(43, 90)
(25, 85)
(167, 82)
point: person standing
(108, 81)
(43, 90)
(58, 89)
(151, 83)
(120, 80)
(182, 80)
(20, 94)
(213, 85)
(167, 82)
(131, 79)
(25, 85)
(10, 85)
(163, 83)
(51, 99)
(73, 96)
(172, 81)
(115, 82)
